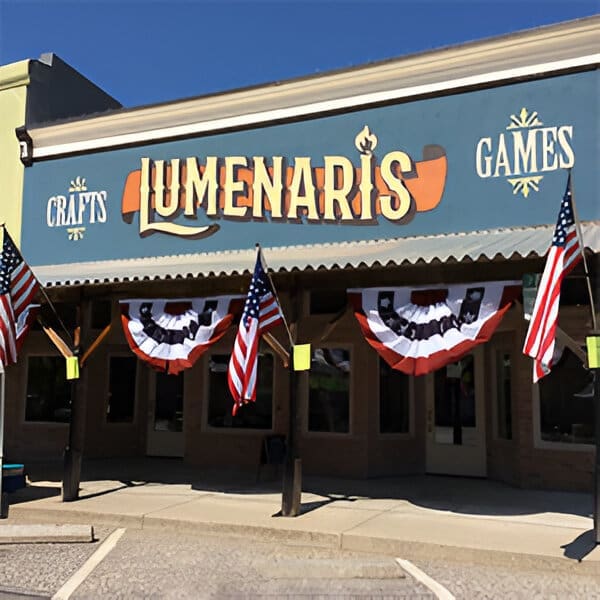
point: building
(31, 94)
(436, 169)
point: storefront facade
(429, 171)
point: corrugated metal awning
(513, 243)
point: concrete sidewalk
(430, 516)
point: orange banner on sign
(425, 183)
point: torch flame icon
(365, 141)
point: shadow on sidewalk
(581, 546)
(126, 485)
(460, 495)
(306, 507)
(32, 492)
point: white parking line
(439, 590)
(88, 566)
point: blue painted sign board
(469, 161)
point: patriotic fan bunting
(172, 334)
(421, 330)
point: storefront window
(393, 400)
(503, 396)
(48, 391)
(329, 390)
(121, 396)
(566, 402)
(254, 415)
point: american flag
(18, 287)
(565, 252)
(261, 313)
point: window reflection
(393, 400)
(503, 396)
(329, 390)
(567, 403)
(168, 409)
(254, 415)
(48, 391)
(455, 419)
(121, 398)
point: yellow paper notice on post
(593, 348)
(302, 357)
(72, 367)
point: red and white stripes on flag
(172, 334)
(565, 252)
(261, 313)
(18, 287)
(420, 330)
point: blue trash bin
(13, 477)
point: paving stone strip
(38, 570)
(40, 533)
(332, 568)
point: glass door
(165, 417)
(455, 418)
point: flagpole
(585, 265)
(258, 247)
(50, 303)
(596, 389)
(291, 495)
(11, 259)
(43, 291)
(3, 504)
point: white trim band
(305, 110)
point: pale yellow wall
(14, 79)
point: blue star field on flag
(565, 220)
(259, 287)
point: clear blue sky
(147, 51)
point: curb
(49, 515)
(413, 550)
(289, 537)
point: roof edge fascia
(14, 75)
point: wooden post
(596, 399)
(597, 461)
(292, 475)
(74, 450)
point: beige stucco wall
(14, 79)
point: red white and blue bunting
(172, 334)
(419, 330)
